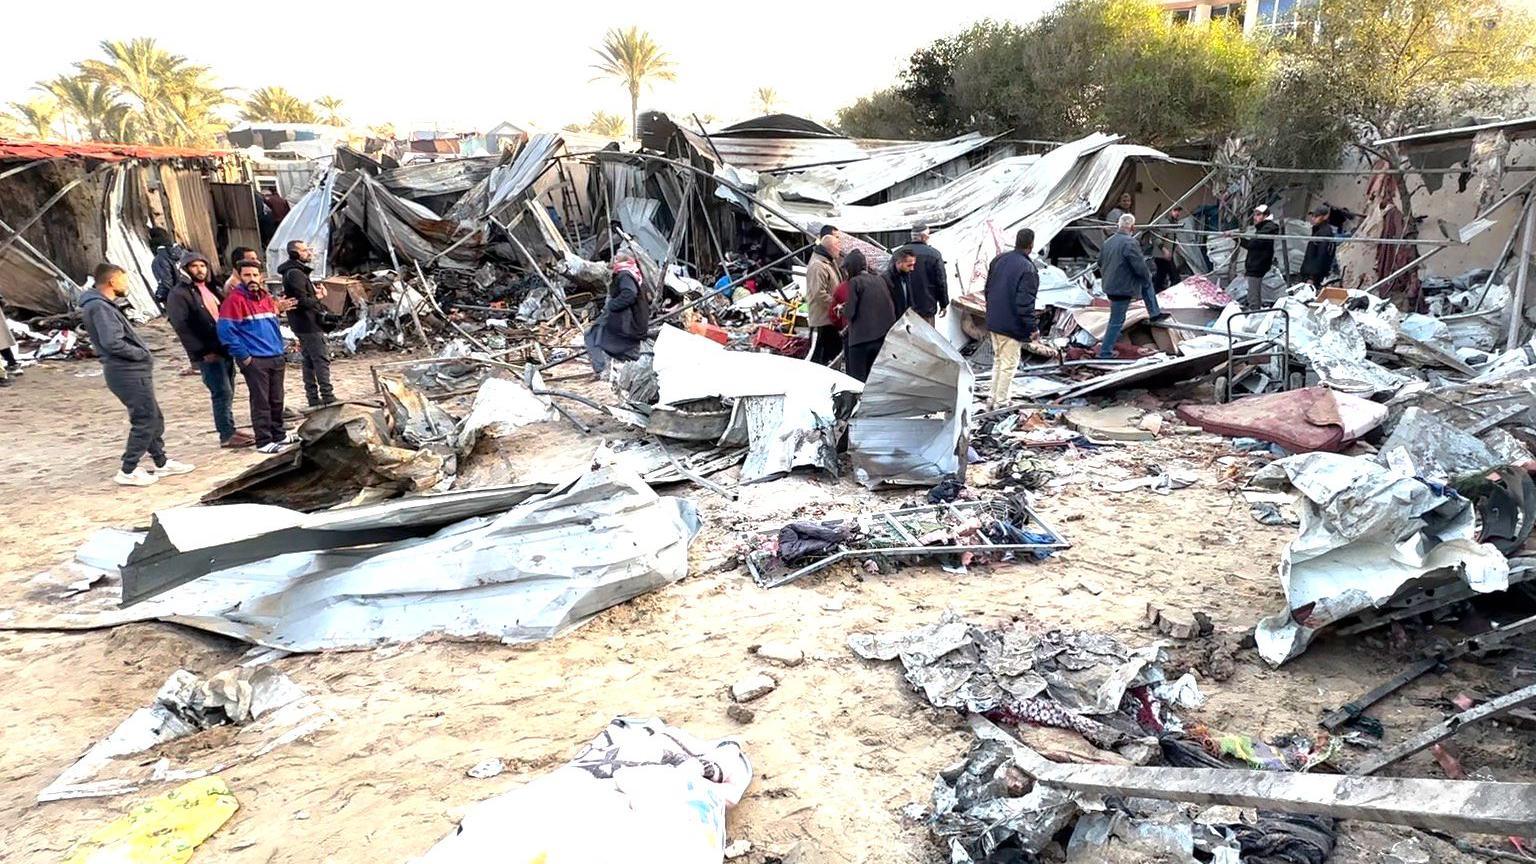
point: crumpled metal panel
(430, 179)
(524, 575)
(915, 411)
(507, 182)
(856, 181)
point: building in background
(1255, 16)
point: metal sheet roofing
(13, 150)
(1517, 128)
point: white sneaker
(139, 477)
(292, 438)
(271, 449)
(171, 468)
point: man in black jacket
(1260, 246)
(928, 286)
(1012, 284)
(870, 312)
(627, 314)
(898, 275)
(193, 310)
(1318, 262)
(304, 321)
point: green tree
(160, 88)
(38, 117)
(884, 114)
(1410, 63)
(330, 111)
(90, 105)
(633, 58)
(277, 105)
(767, 99)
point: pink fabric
(210, 302)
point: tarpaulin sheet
(128, 249)
(915, 409)
(310, 221)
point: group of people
(852, 307)
(225, 326)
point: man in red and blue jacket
(248, 327)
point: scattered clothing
(799, 540)
(1283, 839)
(927, 284)
(948, 490)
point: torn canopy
(310, 221)
(1367, 534)
(524, 575)
(915, 411)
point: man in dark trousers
(1012, 283)
(1124, 271)
(870, 312)
(823, 273)
(928, 286)
(1260, 246)
(898, 274)
(129, 370)
(248, 328)
(193, 310)
(1317, 264)
(304, 321)
(627, 314)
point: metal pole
(1517, 303)
(1509, 245)
(389, 237)
(534, 263)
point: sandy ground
(840, 749)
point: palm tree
(767, 99)
(383, 131)
(155, 83)
(330, 111)
(38, 116)
(198, 123)
(87, 102)
(606, 125)
(631, 57)
(277, 105)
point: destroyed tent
(458, 565)
(78, 204)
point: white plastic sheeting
(641, 791)
(310, 221)
(524, 575)
(854, 181)
(1367, 534)
(129, 250)
(915, 410)
(785, 410)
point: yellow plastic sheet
(163, 830)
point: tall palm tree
(38, 117)
(198, 122)
(277, 105)
(606, 125)
(633, 58)
(150, 79)
(330, 111)
(767, 99)
(87, 102)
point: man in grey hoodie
(129, 370)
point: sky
(470, 64)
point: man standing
(1126, 277)
(870, 312)
(898, 274)
(822, 276)
(304, 321)
(129, 370)
(193, 310)
(1012, 284)
(237, 256)
(928, 285)
(1261, 256)
(1317, 264)
(1164, 245)
(277, 204)
(168, 257)
(248, 328)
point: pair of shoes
(139, 477)
(172, 468)
(237, 440)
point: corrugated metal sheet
(234, 205)
(786, 154)
(855, 181)
(186, 192)
(12, 149)
(507, 182)
(447, 177)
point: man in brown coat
(822, 276)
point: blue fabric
(219, 378)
